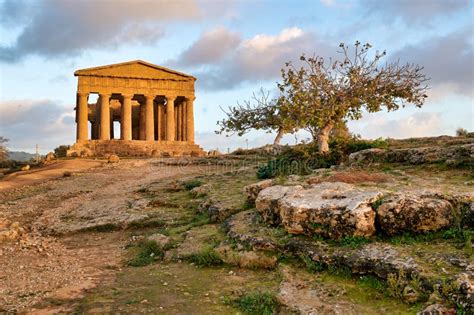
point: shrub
(193, 183)
(61, 151)
(258, 303)
(302, 159)
(147, 253)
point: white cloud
(29, 122)
(228, 60)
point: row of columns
(183, 116)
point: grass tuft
(261, 303)
(206, 257)
(147, 253)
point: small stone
(113, 158)
(26, 167)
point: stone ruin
(153, 104)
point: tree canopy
(322, 93)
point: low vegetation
(257, 303)
(146, 252)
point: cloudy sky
(233, 48)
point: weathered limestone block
(267, 202)
(368, 155)
(160, 239)
(411, 212)
(452, 155)
(330, 209)
(254, 189)
(246, 259)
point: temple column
(179, 122)
(126, 119)
(185, 121)
(82, 117)
(141, 123)
(104, 116)
(112, 136)
(170, 126)
(158, 122)
(149, 119)
(189, 120)
(162, 122)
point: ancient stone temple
(152, 104)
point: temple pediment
(137, 69)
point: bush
(190, 184)
(302, 159)
(147, 253)
(61, 151)
(261, 303)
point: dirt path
(51, 171)
(40, 268)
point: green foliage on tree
(322, 94)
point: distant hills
(20, 156)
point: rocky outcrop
(268, 202)
(252, 190)
(217, 210)
(410, 212)
(246, 259)
(329, 209)
(10, 231)
(451, 155)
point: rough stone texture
(200, 191)
(252, 190)
(452, 155)
(437, 309)
(10, 231)
(160, 239)
(113, 158)
(267, 202)
(301, 296)
(329, 209)
(368, 155)
(246, 259)
(217, 210)
(374, 258)
(242, 227)
(414, 213)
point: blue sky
(234, 48)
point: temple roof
(135, 69)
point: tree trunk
(278, 137)
(323, 139)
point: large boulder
(252, 190)
(267, 202)
(329, 209)
(332, 210)
(414, 212)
